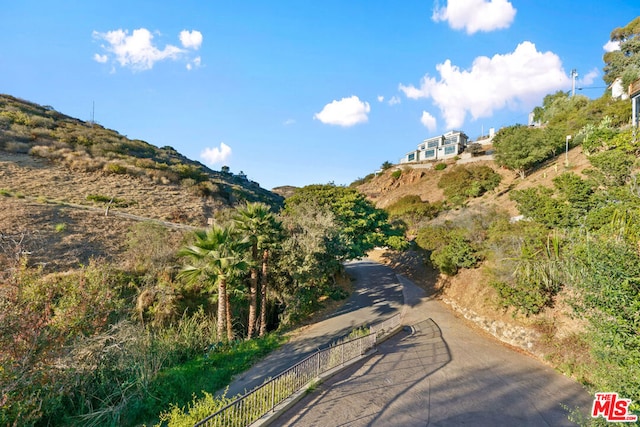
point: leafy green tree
(625, 62)
(217, 255)
(520, 148)
(361, 225)
(260, 226)
(307, 261)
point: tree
(625, 62)
(263, 230)
(520, 148)
(307, 262)
(386, 165)
(362, 225)
(217, 255)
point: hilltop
(71, 189)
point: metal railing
(252, 406)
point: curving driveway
(378, 294)
(438, 372)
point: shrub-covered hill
(89, 148)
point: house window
(429, 153)
(422, 147)
(432, 144)
(451, 149)
(411, 157)
(450, 140)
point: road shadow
(399, 369)
(414, 380)
(415, 265)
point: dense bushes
(412, 206)
(464, 182)
(451, 248)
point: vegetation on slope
(577, 243)
(116, 344)
(41, 131)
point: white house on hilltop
(438, 147)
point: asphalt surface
(438, 372)
(378, 294)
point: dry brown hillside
(71, 190)
(384, 189)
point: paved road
(368, 304)
(440, 373)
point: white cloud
(517, 80)
(138, 52)
(475, 15)
(216, 155)
(611, 46)
(191, 39)
(195, 63)
(589, 78)
(380, 98)
(346, 112)
(289, 122)
(428, 121)
(394, 100)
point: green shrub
(615, 165)
(604, 275)
(440, 166)
(538, 204)
(457, 254)
(115, 168)
(361, 181)
(396, 174)
(526, 297)
(386, 165)
(450, 247)
(413, 206)
(471, 181)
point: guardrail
(252, 406)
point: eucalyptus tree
(624, 62)
(219, 256)
(260, 226)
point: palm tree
(260, 226)
(219, 256)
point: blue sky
(296, 92)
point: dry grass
(37, 178)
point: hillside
(468, 292)
(384, 189)
(70, 190)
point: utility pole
(574, 75)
